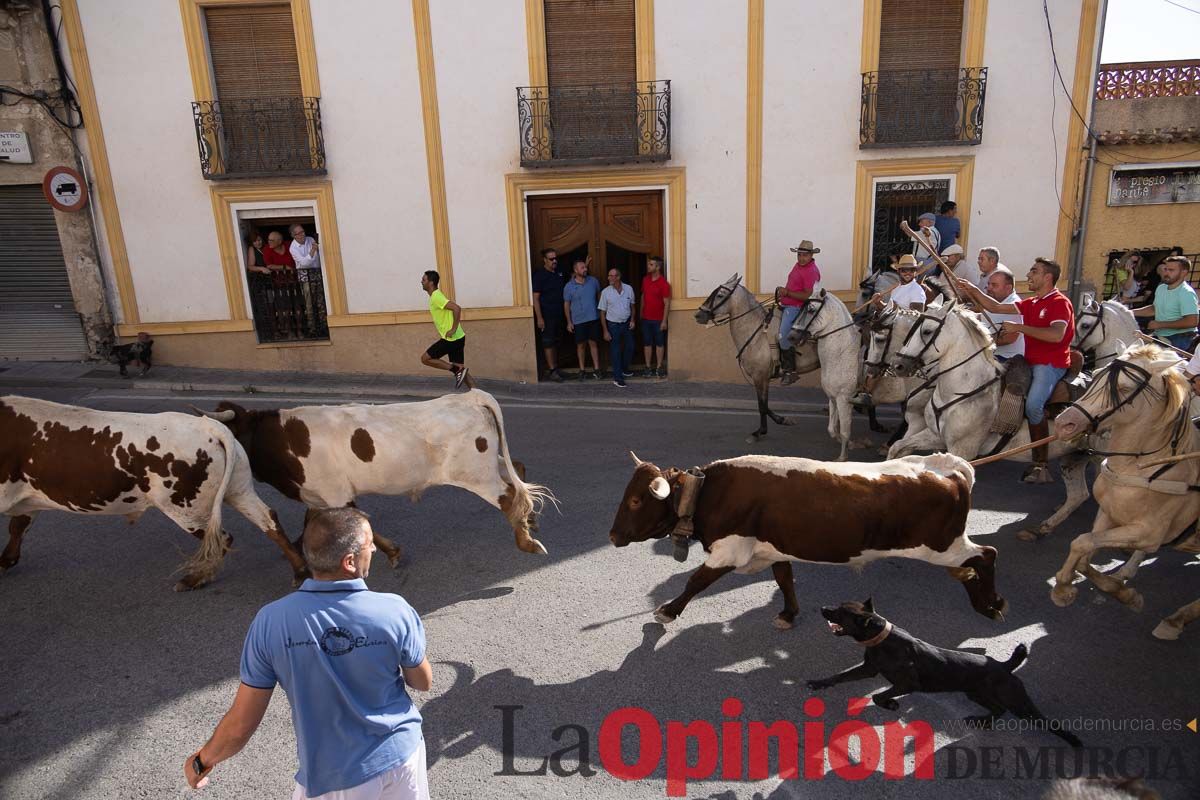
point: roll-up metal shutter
(38, 321)
(589, 42)
(253, 52)
(920, 36)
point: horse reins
(769, 307)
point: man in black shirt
(548, 309)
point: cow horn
(220, 416)
(660, 488)
(637, 461)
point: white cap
(953, 250)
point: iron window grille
(609, 123)
(922, 108)
(259, 137)
(289, 306)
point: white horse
(753, 328)
(1102, 330)
(966, 396)
(1143, 400)
(887, 330)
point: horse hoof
(186, 586)
(1063, 596)
(1029, 535)
(1166, 631)
(1132, 598)
(663, 617)
(751, 439)
(782, 624)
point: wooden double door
(617, 229)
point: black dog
(916, 666)
(136, 352)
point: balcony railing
(922, 108)
(1148, 79)
(259, 137)
(610, 123)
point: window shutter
(920, 36)
(253, 52)
(590, 41)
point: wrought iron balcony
(922, 108)
(259, 137)
(611, 123)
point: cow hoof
(751, 439)
(1167, 631)
(1063, 596)
(662, 616)
(187, 585)
(783, 623)
(538, 548)
(394, 558)
(1132, 598)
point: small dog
(916, 666)
(136, 352)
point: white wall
(481, 57)
(144, 92)
(1014, 204)
(700, 46)
(811, 90)
(375, 150)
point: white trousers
(407, 781)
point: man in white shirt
(956, 260)
(1000, 288)
(929, 240)
(617, 321)
(909, 294)
(308, 264)
(988, 260)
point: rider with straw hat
(801, 283)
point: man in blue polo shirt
(343, 654)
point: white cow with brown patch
(56, 457)
(326, 456)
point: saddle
(1014, 387)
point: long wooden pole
(1161, 343)
(884, 294)
(1023, 448)
(951, 278)
(1169, 460)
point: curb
(235, 390)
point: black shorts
(587, 331)
(552, 330)
(454, 349)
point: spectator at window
(947, 224)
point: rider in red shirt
(1048, 323)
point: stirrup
(789, 378)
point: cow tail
(204, 563)
(529, 497)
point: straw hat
(806, 246)
(906, 260)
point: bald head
(332, 535)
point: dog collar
(879, 637)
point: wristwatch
(197, 765)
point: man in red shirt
(656, 305)
(801, 282)
(1048, 323)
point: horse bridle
(1111, 379)
(941, 323)
(875, 327)
(712, 309)
(820, 304)
(1099, 326)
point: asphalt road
(110, 678)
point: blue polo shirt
(337, 649)
(583, 297)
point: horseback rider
(1048, 323)
(801, 283)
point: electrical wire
(1180, 5)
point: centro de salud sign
(1143, 186)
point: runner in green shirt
(452, 340)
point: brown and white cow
(56, 457)
(326, 456)
(758, 511)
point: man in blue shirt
(579, 302)
(343, 654)
(947, 224)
